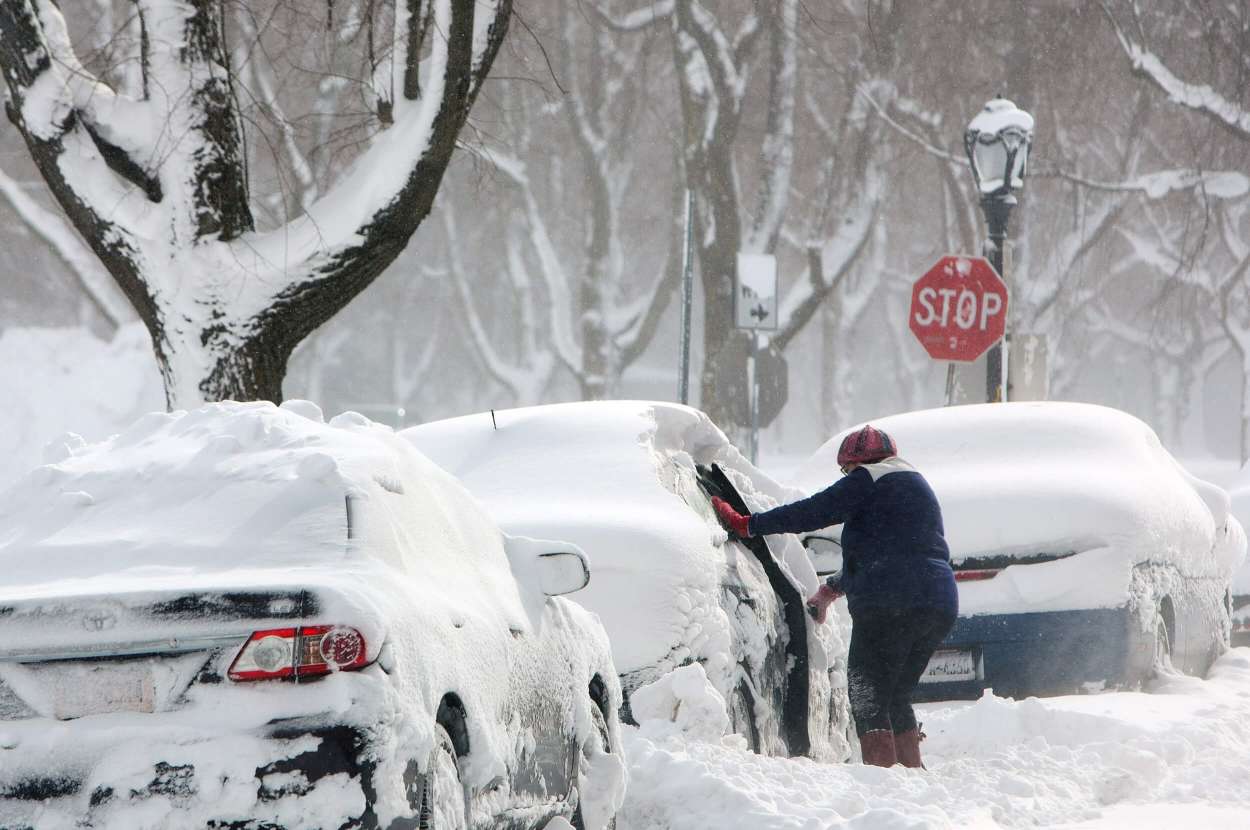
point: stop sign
(958, 308)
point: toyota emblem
(99, 620)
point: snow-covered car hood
(1052, 477)
(616, 478)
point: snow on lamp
(997, 142)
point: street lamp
(997, 142)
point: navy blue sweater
(894, 554)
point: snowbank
(1099, 762)
(58, 380)
(683, 700)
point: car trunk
(71, 655)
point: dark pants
(889, 651)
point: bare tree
(1213, 260)
(157, 183)
(712, 66)
(587, 291)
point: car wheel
(443, 805)
(599, 743)
(742, 716)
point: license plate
(78, 688)
(950, 666)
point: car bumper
(1041, 653)
(292, 774)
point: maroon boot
(907, 747)
(877, 747)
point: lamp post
(997, 143)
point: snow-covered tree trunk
(587, 308)
(1234, 306)
(157, 184)
(712, 76)
(601, 108)
(713, 70)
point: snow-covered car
(1085, 554)
(1239, 498)
(243, 616)
(619, 479)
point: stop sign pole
(958, 310)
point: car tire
(600, 741)
(443, 802)
(742, 716)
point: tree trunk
(168, 211)
(1244, 419)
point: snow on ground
(1176, 757)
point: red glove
(732, 519)
(819, 602)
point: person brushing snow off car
(896, 577)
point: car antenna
(493, 422)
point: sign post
(687, 301)
(755, 309)
(958, 310)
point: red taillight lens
(974, 575)
(299, 652)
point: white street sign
(755, 297)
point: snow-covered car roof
(616, 478)
(1035, 477)
(251, 495)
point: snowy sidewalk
(1177, 757)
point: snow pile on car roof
(231, 488)
(1051, 477)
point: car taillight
(298, 652)
(976, 574)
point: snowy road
(1177, 757)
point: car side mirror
(825, 553)
(563, 572)
(555, 568)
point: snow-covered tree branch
(158, 187)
